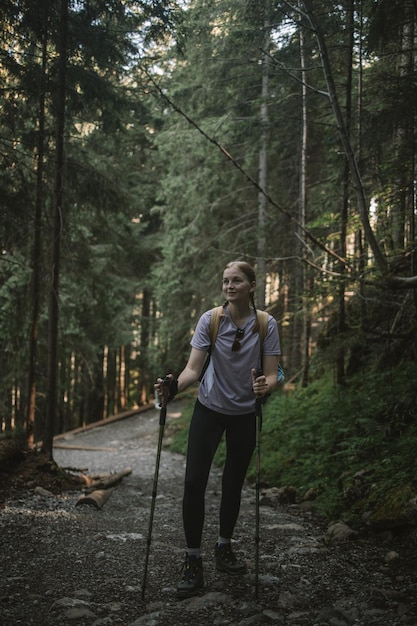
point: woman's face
(236, 285)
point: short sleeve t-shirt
(227, 383)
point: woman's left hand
(259, 384)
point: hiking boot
(192, 578)
(226, 560)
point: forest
(144, 144)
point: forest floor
(67, 564)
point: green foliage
(323, 436)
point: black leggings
(206, 430)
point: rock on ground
(62, 564)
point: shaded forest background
(145, 144)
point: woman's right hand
(166, 388)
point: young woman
(225, 404)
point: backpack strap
(263, 318)
(263, 329)
(216, 314)
(263, 325)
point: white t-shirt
(227, 383)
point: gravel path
(67, 564)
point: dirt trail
(67, 564)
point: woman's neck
(240, 313)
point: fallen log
(88, 480)
(108, 481)
(96, 498)
(74, 470)
(103, 422)
(67, 446)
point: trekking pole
(162, 419)
(257, 489)
(280, 378)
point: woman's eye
(235, 281)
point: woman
(225, 404)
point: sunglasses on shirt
(238, 337)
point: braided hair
(249, 272)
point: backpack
(216, 314)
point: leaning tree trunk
(347, 146)
(51, 406)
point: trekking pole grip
(164, 400)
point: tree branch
(248, 176)
(295, 77)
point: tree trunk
(52, 373)
(145, 336)
(110, 374)
(340, 357)
(126, 377)
(97, 388)
(360, 245)
(302, 208)
(263, 167)
(36, 253)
